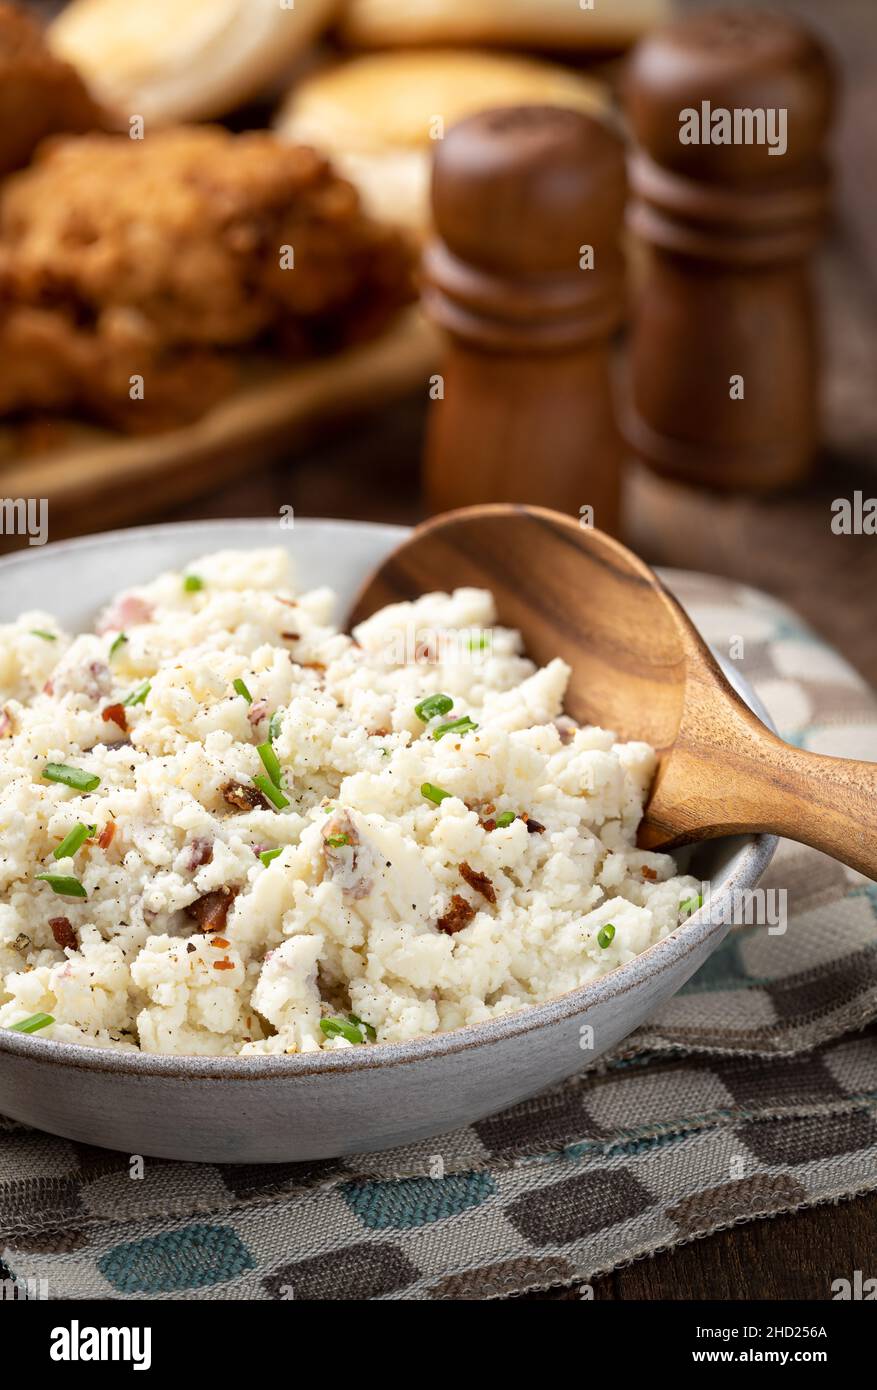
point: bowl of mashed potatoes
(273, 891)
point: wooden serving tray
(96, 479)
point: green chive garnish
(456, 726)
(691, 905)
(241, 688)
(117, 643)
(32, 1024)
(64, 887)
(433, 705)
(505, 819)
(73, 777)
(47, 637)
(270, 762)
(273, 793)
(138, 696)
(73, 842)
(192, 583)
(336, 841)
(268, 854)
(369, 1030)
(433, 793)
(606, 935)
(274, 724)
(341, 1028)
(477, 644)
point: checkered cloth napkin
(754, 1091)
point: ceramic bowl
(276, 1109)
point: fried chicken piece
(39, 94)
(162, 258)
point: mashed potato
(225, 827)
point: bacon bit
(200, 852)
(566, 728)
(223, 965)
(424, 652)
(488, 824)
(48, 688)
(211, 911)
(534, 827)
(127, 611)
(257, 712)
(242, 797)
(650, 874)
(380, 733)
(489, 810)
(107, 835)
(312, 665)
(220, 943)
(63, 932)
(291, 636)
(459, 915)
(116, 713)
(480, 882)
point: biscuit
(180, 60)
(546, 24)
(377, 117)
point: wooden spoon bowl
(639, 668)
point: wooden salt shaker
(724, 350)
(525, 198)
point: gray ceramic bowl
(274, 1109)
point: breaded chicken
(39, 94)
(163, 257)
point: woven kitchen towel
(753, 1092)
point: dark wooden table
(369, 470)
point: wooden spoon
(640, 669)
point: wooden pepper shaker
(526, 277)
(730, 193)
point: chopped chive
(32, 1024)
(504, 819)
(369, 1030)
(73, 842)
(74, 777)
(274, 724)
(336, 841)
(341, 1028)
(117, 643)
(268, 854)
(456, 726)
(273, 793)
(46, 636)
(433, 705)
(241, 688)
(64, 887)
(137, 696)
(606, 935)
(433, 793)
(691, 905)
(270, 762)
(477, 644)
(192, 583)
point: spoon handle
(735, 776)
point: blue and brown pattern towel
(753, 1092)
